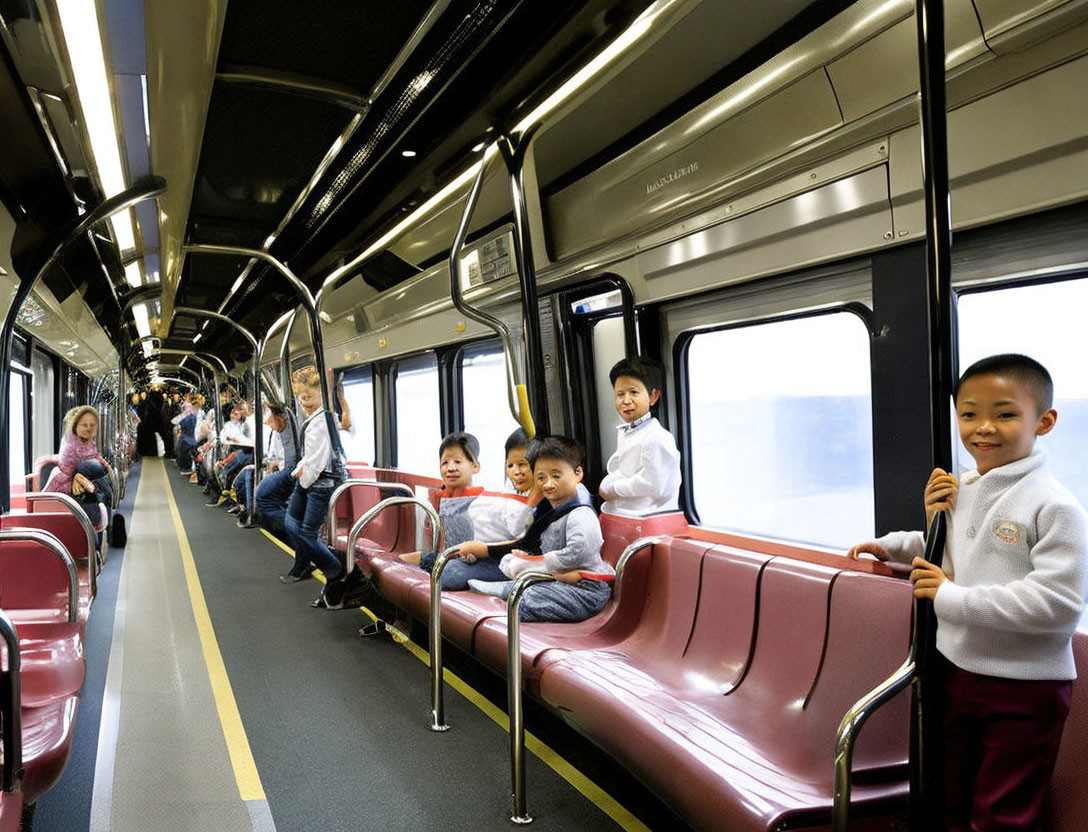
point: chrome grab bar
(73, 506)
(848, 732)
(50, 542)
(346, 485)
(514, 692)
(374, 511)
(438, 707)
(11, 710)
(626, 555)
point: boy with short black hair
(1007, 602)
(564, 539)
(644, 473)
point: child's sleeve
(903, 547)
(1049, 599)
(582, 545)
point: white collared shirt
(317, 446)
(644, 472)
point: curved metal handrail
(346, 485)
(11, 709)
(438, 707)
(516, 390)
(860, 711)
(847, 735)
(626, 555)
(374, 511)
(73, 506)
(50, 542)
(514, 690)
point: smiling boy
(644, 472)
(1009, 603)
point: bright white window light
(83, 39)
(132, 275)
(143, 326)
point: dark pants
(305, 513)
(1001, 739)
(185, 448)
(272, 496)
(242, 458)
(96, 472)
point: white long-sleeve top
(274, 447)
(1016, 552)
(317, 448)
(234, 433)
(644, 472)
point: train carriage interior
(393, 222)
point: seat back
(31, 577)
(63, 524)
(620, 531)
(722, 638)
(868, 637)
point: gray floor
(337, 724)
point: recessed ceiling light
(408, 154)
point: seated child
(564, 539)
(506, 516)
(1007, 601)
(458, 457)
(644, 472)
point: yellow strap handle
(525, 416)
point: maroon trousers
(1000, 739)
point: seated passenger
(238, 435)
(81, 470)
(275, 489)
(458, 456)
(243, 483)
(507, 516)
(564, 539)
(644, 473)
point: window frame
(681, 348)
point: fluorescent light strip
(83, 39)
(143, 326)
(583, 76)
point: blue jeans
(272, 496)
(305, 513)
(243, 458)
(243, 488)
(457, 573)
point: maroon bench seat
(1068, 799)
(47, 742)
(741, 739)
(11, 811)
(53, 665)
(652, 579)
(69, 531)
(614, 622)
(34, 586)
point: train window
(419, 424)
(45, 428)
(358, 386)
(18, 397)
(485, 406)
(609, 347)
(1045, 321)
(781, 429)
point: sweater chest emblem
(1007, 532)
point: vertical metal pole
(925, 773)
(514, 708)
(513, 152)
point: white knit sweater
(1016, 551)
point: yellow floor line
(241, 758)
(551, 758)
